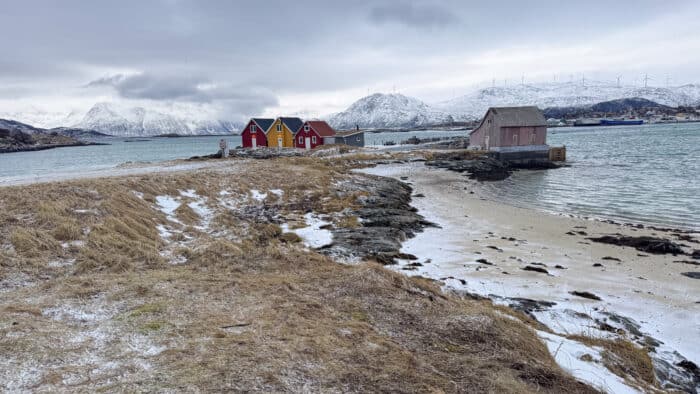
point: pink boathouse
(513, 133)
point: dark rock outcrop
(387, 219)
(645, 244)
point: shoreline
(490, 249)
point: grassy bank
(186, 281)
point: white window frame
(253, 128)
(313, 139)
(306, 128)
(279, 127)
(301, 139)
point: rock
(419, 195)
(484, 261)
(689, 366)
(644, 243)
(496, 248)
(585, 294)
(687, 262)
(693, 275)
(610, 258)
(559, 267)
(535, 269)
(387, 219)
(527, 305)
(695, 254)
(597, 265)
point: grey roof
(264, 123)
(519, 116)
(293, 124)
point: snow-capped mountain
(121, 121)
(388, 111)
(565, 94)
(44, 119)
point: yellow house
(281, 133)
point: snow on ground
(257, 195)
(277, 192)
(168, 205)
(312, 235)
(568, 354)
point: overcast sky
(239, 59)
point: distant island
(12, 140)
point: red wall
(247, 137)
(303, 134)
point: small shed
(352, 138)
(510, 128)
(253, 134)
(312, 134)
(281, 132)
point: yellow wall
(286, 134)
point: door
(254, 142)
(486, 142)
(515, 139)
(279, 142)
(307, 142)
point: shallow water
(642, 174)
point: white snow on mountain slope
(388, 110)
(564, 94)
(44, 119)
(123, 121)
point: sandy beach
(647, 288)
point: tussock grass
(34, 243)
(624, 359)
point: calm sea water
(646, 174)
(642, 174)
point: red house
(253, 134)
(311, 134)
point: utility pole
(618, 80)
(646, 80)
(522, 80)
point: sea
(648, 174)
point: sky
(235, 59)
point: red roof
(322, 128)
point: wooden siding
(247, 136)
(273, 135)
(316, 139)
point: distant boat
(621, 122)
(587, 122)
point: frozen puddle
(313, 235)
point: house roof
(293, 124)
(322, 128)
(263, 123)
(516, 117)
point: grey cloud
(413, 15)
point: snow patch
(312, 235)
(257, 195)
(568, 354)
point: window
(357, 138)
(279, 127)
(253, 128)
(313, 139)
(306, 128)
(301, 139)
(532, 137)
(515, 139)
(488, 121)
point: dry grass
(625, 359)
(251, 309)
